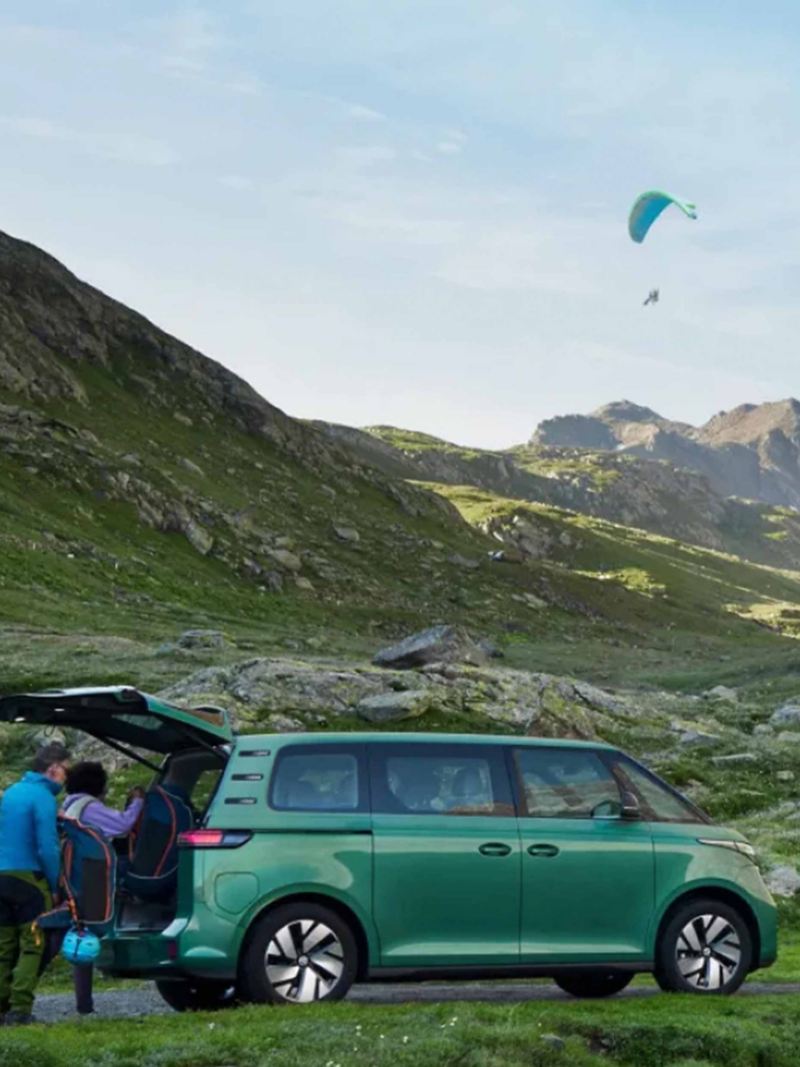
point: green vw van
(306, 862)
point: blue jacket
(28, 833)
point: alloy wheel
(304, 961)
(708, 952)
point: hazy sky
(414, 211)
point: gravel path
(144, 1000)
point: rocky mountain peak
(626, 411)
(750, 423)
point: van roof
(382, 737)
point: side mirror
(630, 806)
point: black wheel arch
(724, 896)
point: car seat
(152, 873)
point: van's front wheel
(706, 947)
(197, 994)
(298, 954)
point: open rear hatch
(123, 715)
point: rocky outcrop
(439, 644)
(264, 693)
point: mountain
(145, 489)
(752, 452)
(618, 485)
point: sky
(413, 212)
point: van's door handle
(543, 850)
(494, 848)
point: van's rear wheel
(298, 954)
(594, 983)
(197, 994)
(706, 947)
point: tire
(298, 954)
(705, 948)
(197, 994)
(594, 983)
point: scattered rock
(785, 776)
(286, 559)
(392, 707)
(446, 644)
(762, 729)
(722, 692)
(190, 466)
(783, 881)
(182, 418)
(553, 1041)
(349, 534)
(201, 639)
(787, 715)
(699, 738)
(734, 757)
(489, 648)
(304, 584)
(789, 736)
(198, 538)
(507, 555)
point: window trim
(378, 753)
(357, 751)
(522, 802)
(616, 757)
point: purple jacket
(107, 820)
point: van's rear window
(319, 781)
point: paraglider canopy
(647, 209)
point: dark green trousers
(24, 895)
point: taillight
(213, 838)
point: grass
(659, 1031)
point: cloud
(365, 114)
(449, 148)
(124, 147)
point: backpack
(152, 873)
(88, 880)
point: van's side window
(658, 802)
(440, 779)
(563, 783)
(317, 778)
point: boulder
(722, 692)
(348, 534)
(785, 776)
(762, 729)
(286, 559)
(439, 644)
(304, 584)
(191, 466)
(783, 881)
(791, 737)
(699, 738)
(198, 538)
(788, 715)
(201, 639)
(393, 707)
(734, 757)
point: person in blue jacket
(30, 861)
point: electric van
(286, 867)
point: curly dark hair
(87, 777)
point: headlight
(743, 847)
